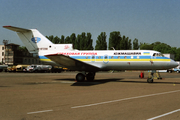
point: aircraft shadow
(96, 82)
(103, 81)
(90, 83)
(68, 79)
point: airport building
(2, 52)
(172, 56)
(10, 54)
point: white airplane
(91, 61)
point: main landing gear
(151, 76)
(80, 77)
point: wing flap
(71, 63)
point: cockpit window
(158, 54)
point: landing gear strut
(152, 76)
(80, 77)
(150, 80)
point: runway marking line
(39, 111)
(164, 114)
(106, 102)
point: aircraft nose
(173, 64)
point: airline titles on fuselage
(127, 53)
(95, 53)
(78, 53)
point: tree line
(81, 42)
(84, 41)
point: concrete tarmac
(112, 96)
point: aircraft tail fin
(31, 38)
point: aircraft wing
(71, 63)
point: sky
(147, 20)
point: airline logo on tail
(35, 39)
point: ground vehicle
(39, 68)
(20, 68)
(2, 67)
(56, 69)
(11, 68)
(177, 69)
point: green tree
(56, 40)
(129, 44)
(73, 38)
(173, 50)
(67, 40)
(146, 46)
(77, 42)
(101, 43)
(162, 47)
(83, 41)
(177, 56)
(156, 43)
(114, 40)
(51, 37)
(88, 42)
(135, 44)
(125, 43)
(62, 39)
(122, 43)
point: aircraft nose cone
(173, 64)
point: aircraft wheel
(80, 77)
(90, 76)
(150, 80)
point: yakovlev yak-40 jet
(90, 61)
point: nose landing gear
(152, 76)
